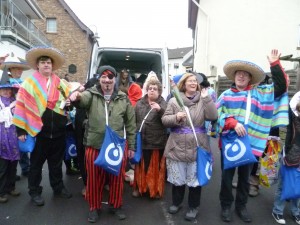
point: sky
(136, 23)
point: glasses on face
(192, 81)
(110, 76)
(152, 88)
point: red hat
(134, 93)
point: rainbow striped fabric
(34, 97)
(266, 112)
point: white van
(136, 60)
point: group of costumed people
(171, 131)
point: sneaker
(136, 194)
(173, 209)
(191, 214)
(297, 219)
(253, 190)
(14, 193)
(234, 184)
(3, 199)
(279, 218)
(119, 212)
(93, 216)
(37, 200)
(64, 193)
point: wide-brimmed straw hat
(33, 54)
(14, 62)
(256, 72)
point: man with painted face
(120, 114)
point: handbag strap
(248, 107)
(106, 119)
(191, 123)
(144, 120)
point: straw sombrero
(256, 72)
(13, 61)
(33, 54)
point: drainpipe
(207, 29)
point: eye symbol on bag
(113, 154)
(72, 150)
(235, 150)
(208, 170)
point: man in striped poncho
(268, 108)
(40, 112)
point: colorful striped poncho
(266, 112)
(34, 97)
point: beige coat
(182, 147)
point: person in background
(231, 106)
(40, 112)
(141, 80)
(9, 149)
(209, 125)
(180, 150)
(80, 126)
(16, 66)
(292, 141)
(149, 174)
(151, 76)
(121, 113)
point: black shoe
(93, 216)
(243, 214)
(226, 215)
(64, 193)
(119, 212)
(17, 178)
(25, 173)
(37, 200)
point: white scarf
(5, 113)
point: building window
(51, 25)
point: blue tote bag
(138, 153)
(204, 158)
(236, 150)
(71, 150)
(111, 151)
(290, 182)
(204, 166)
(27, 145)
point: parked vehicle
(137, 61)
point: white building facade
(241, 29)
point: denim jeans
(279, 204)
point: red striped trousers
(96, 178)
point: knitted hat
(35, 53)
(256, 72)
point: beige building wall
(70, 39)
(241, 29)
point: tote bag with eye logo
(236, 149)
(111, 151)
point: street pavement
(140, 211)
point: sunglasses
(110, 76)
